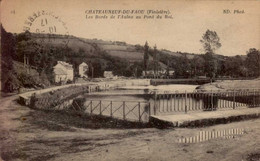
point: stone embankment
(72, 90)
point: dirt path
(37, 135)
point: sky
(191, 19)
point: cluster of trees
(209, 64)
(238, 66)
(9, 80)
(215, 65)
(44, 56)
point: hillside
(43, 52)
(178, 54)
(71, 42)
(129, 52)
(118, 49)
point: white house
(171, 72)
(161, 70)
(83, 69)
(63, 72)
(108, 74)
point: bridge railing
(126, 110)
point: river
(139, 102)
(131, 98)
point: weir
(159, 81)
(156, 105)
(151, 108)
(209, 101)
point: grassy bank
(179, 81)
(39, 135)
(225, 85)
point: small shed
(83, 70)
(108, 74)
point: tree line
(209, 64)
(45, 56)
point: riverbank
(227, 85)
(28, 134)
(67, 90)
(190, 81)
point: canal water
(136, 99)
(133, 102)
(160, 89)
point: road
(29, 135)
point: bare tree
(210, 41)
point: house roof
(83, 64)
(59, 71)
(66, 65)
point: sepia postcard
(130, 80)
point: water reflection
(162, 89)
(208, 135)
(173, 101)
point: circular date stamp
(47, 27)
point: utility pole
(92, 69)
(168, 69)
(146, 57)
(155, 60)
(24, 60)
(26, 63)
(136, 72)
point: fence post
(247, 102)
(257, 97)
(254, 97)
(139, 112)
(149, 105)
(111, 109)
(234, 98)
(124, 110)
(100, 107)
(168, 100)
(91, 106)
(171, 101)
(212, 104)
(155, 101)
(200, 97)
(186, 102)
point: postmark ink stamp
(47, 27)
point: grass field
(126, 54)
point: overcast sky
(237, 32)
